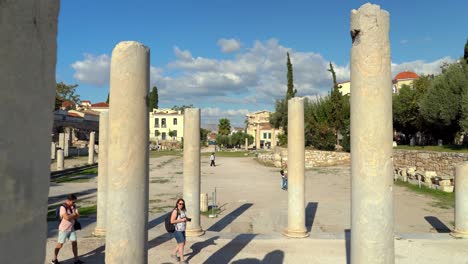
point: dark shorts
(179, 236)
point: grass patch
(159, 181)
(155, 201)
(88, 210)
(442, 199)
(178, 172)
(84, 211)
(444, 148)
(164, 163)
(162, 153)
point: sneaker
(78, 262)
(175, 258)
(55, 262)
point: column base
(194, 232)
(459, 234)
(99, 232)
(295, 233)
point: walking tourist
(68, 214)
(284, 180)
(179, 219)
(212, 158)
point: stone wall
(443, 163)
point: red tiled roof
(100, 104)
(406, 75)
(67, 104)
(265, 126)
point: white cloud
(183, 55)
(211, 115)
(421, 66)
(93, 70)
(229, 45)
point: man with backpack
(68, 213)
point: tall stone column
(92, 140)
(296, 169)
(28, 48)
(372, 238)
(246, 144)
(257, 137)
(128, 157)
(66, 144)
(273, 137)
(192, 170)
(100, 229)
(61, 141)
(53, 150)
(60, 159)
(461, 201)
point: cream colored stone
(203, 202)
(102, 197)
(127, 214)
(60, 160)
(447, 188)
(372, 218)
(461, 200)
(92, 140)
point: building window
(163, 122)
(265, 135)
(174, 132)
(269, 135)
(163, 136)
(156, 133)
(175, 121)
(156, 122)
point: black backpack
(170, 228)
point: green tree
(107, 100)
(441, 106)
(172, 134)
(224, 126)
(465, 54)
(203, 135)
(291, 92)
(64, 92)
(153, 98)
(336, 103)
(182, 107)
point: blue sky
(228, 57)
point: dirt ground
(254, 207)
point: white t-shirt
(212, 157)
(181, 225)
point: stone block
(446, 188)
(445, 183)
(430, 174)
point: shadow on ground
(229, 218)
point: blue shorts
(179, 236)
(63, 235)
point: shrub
(323, 138)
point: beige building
(162, 121)
(266, 136)
(400, 79)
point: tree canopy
(224, 127)
(65, 92)
(153, 98)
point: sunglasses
(181, 203)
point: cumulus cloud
(211, 115)
(183, 55)
(229, 45)
(92, 69)
(421, 66)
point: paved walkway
(252, 203)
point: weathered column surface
(28, 48)
(461, 201)
(192, 170)
(257, 137)
(203, 202)
(296, 169)
(372, 238)
(61, 141)
(127, 214)
(100, 229)
(60, 160)
(66, 144)
(53, 150)
(246, 144)
(92, 140)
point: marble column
(61, 142)
(296, 170)
(28, 55)
(246, 144)
(203, 202)
(257, 137)
(461, 201)
(192, 170)
(100, 229)
(92, 140)
(66, 144)
(372, 237)
(53, 150)
(60, 160)
(128, 156)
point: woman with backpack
(179, 219)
